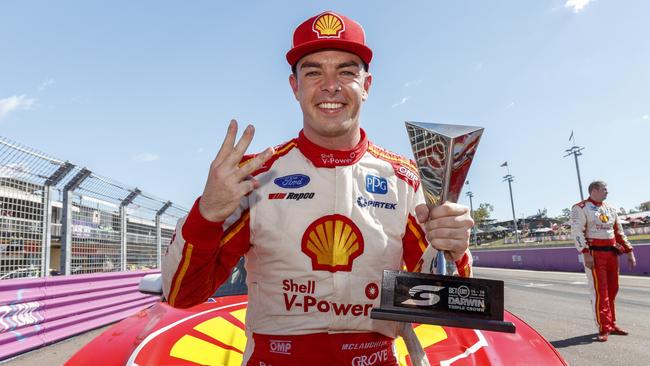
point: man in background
(599, 236)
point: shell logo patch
(603, 218)
(332, 242)
(328, 26)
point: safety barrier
(40, 311)
(554, 259)
(59, 218)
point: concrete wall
(555, 259)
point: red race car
(213, 333)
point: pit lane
(556, 304)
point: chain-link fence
(58, 218)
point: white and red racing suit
(596, 229)
(316, 236)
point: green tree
(482, 213)
(644, 206)
(565, 215)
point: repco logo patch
(291, 196)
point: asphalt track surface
(554, 303)
(557, 305)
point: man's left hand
(447, 227)
(631, 260)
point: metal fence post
(123, 238)
(66, 219)
(125, 202)
(48, 191)
(66, 233)
(47, 231)
(159, 234)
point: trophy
(443, 154)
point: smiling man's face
(330, 86)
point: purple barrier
(554, 259)
(39, 311)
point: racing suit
(597, 230)
(316, 236)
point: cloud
(577, 5)
(14, 103)
(412, 83)
(146, 157)
(646, 117)
(45, 84)
(404, 100)
(512, 104)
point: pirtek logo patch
(364, 202)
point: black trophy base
(417, 317)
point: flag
(570, 137)
(505, 163)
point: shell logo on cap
(332, 242)
(328, 26)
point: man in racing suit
(317, 218)
(600, 238)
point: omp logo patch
(280, 346)
(332, 242)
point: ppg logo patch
(375, 184)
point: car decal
(152, 336)
(473, 349)
(227, 350)
(221, 340)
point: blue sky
(142, 91)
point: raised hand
(447, 227)
(227, 182)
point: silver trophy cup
(443, 154)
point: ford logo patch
(292, 181)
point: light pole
(576, 151)
(510, 178)
(471, 212)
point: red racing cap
(329, 30)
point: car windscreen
(235, 284)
